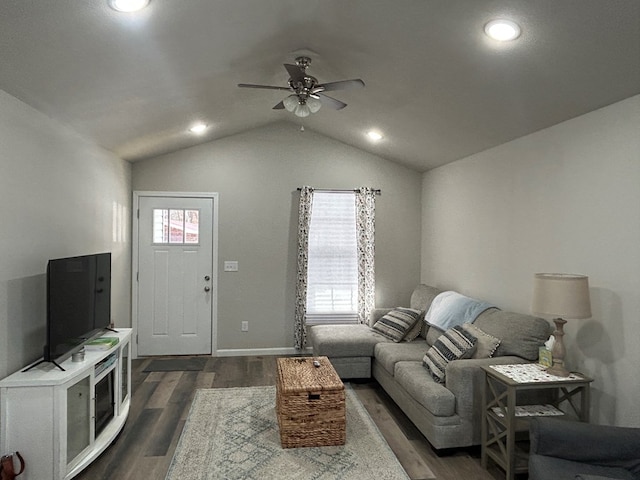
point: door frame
(214, 196)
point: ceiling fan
(307, 94)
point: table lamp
(560, 295)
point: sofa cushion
(388, 354)
(433, 396)
(422, 296)
(454, 344)
(421, 299)
(486, 345)
(344, 340)
(433, 334)
(519, 334)
(397, 323)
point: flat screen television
(78, 302)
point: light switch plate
(230, 266)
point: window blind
(332, 270)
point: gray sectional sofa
(448, 414)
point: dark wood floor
(161, 402)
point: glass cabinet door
(124, 372)
(78, 418)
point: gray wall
(59, 196)
(256, 174)
(565, 199)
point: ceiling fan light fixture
(502, 30)
(128, 5)
(314, 104)
(302, 110)
(291, 102)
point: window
(176, 226)
(332, 268)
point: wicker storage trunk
(309, 403)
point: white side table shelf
(60, 421)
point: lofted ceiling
(436, 87)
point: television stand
(62, 420)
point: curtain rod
(377, 191)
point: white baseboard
(244, 352)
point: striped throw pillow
(395, 324)
(454, 344)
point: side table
(503, 417)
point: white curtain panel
(304, 220)
(365, 228)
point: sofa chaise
(446, 409)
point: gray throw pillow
(397, 323)
(486, 345)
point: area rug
(232, 434)
(176, 364)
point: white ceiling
(436, 87)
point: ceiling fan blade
(340, 85)
(267, 87)
(279, 106)
(331, 102)
(295, 72)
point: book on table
(101, 343)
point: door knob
(206, 289)
(207, 278)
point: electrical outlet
(230, 266)
(245, 326)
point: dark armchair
(566, 450)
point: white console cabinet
(60, 421)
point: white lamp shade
(561, 295)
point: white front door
(175, 280)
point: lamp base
(558, 350)
(558, 369)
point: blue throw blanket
(449, 309)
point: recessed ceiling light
(373, 135)
(502, 30)
(198, 128)
(128, 5)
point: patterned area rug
(232, 434)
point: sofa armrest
(465, 379)
(584, 442)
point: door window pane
(191, 226)
(176, 226)
(160, 225)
